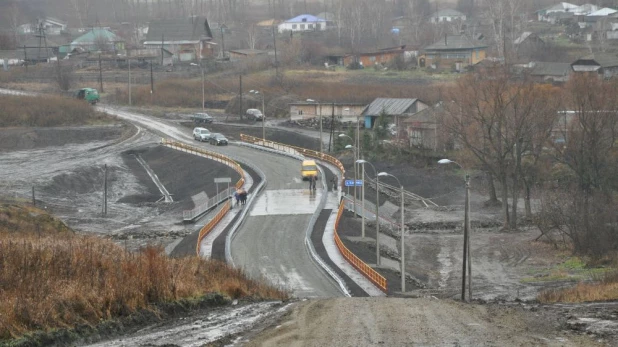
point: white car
(201, 134)
(254, 114)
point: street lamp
(202, 68)
(321, 144)
(466, 245)
(355, 172)
(256, 92)
(403, 258)
(363, 162)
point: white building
(447, 15)
(304, 22)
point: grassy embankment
(52, 278)
(47, 111)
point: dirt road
(412, 322)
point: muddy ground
(66, 167)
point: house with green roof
(453, 52)
(98, 39)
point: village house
(453, 52)
(98, 39)
(395, 109)
(422, 129)
(605, 64)
(551, 71)
(244, 54)
(344, 112)
(304, 22)
(545, 15)
(188, 39)
(382, 56)
(447, 15)
(52, 26)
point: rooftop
(455, 42)
(391, 106)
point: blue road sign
(350, 183)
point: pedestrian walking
(334, 181)
(243, 197)
(237, 197)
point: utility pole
(105, 192)
(240, 103)
(332, 129)
(129, 60)
(25, 58)
(33, 199)
(151, 79)
(275, 47)
(222, 45)
(100, 74)
(162, 42)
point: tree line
(546, 144)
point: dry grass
(52, 278)
(605, 289)
(319, 85)
(46, 111)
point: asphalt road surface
(271, 241)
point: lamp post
(363, 162)
(403, 258)
(321, 144)
(256, 92)
(466, 246)
(201, 68)
(355, 172)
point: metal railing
(350, 257)
(355, 261)
(200, 209)
(211, 225)
(295, 150)
(188, 215)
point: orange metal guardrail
(355, 261)
(296, 150)
(211, 225)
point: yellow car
(309, 168)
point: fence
(294, 150)
(355, 261)
(361, 266)
(211, 224)
(189, 215)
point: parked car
(201, 134)
(201, 117)
(218, 140)
(89, 94)
(254, 114)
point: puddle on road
(286, 202)
(199, 330)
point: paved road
(271, 242)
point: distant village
(549, 44)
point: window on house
(302, 26)
(293, 26)
(372, 59)
(300, 112)
(304, 19)
(310, 26)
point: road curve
(271, 242)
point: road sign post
(223, 180)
